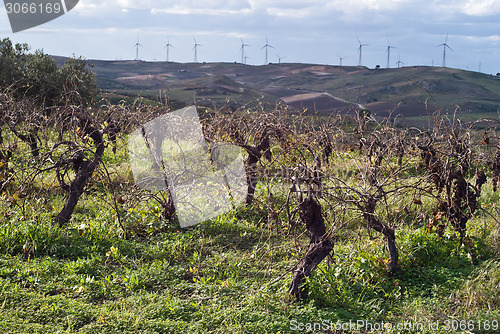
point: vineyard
(349, 223)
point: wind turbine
(136, 45)
(360, 50)
(195, 48)
(242, 49)
(267, 46)
(399, 62)
(279, 58)
(388, 51)
(340, 59)
(168, 47)
(445, 45)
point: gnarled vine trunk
(319, 247)
(386, 230)
(83, 173)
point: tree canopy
(37, 76)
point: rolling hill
(410, 91)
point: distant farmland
(410, 92)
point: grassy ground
(231, 274)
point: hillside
(296, 224)
(410, 91)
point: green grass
(231, 274)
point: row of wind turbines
(244, 57)
(360, 53)
(399, 63)
(267, 46)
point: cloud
(182, 10)
(293, 9)
(483, 40)
(480, 7)
(296, 13)
(368, 5)
(213, 7)
(311, 31)
(181, 7)
(279, 8)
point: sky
(314, 31)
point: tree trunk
(30, 139)
(255, 153)
(389, 234)
(254, 156)
(315, 254)
(85, 172)
(319, 247)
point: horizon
(309, 33)
(277, 64)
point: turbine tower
(400, 63)
(279, 58)
(195, 48)
(340, 59)
(267, 46)
(242, 49)
(136, 45)
(388, 51)
(360, 50)
(168, 46)
(445, 45)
